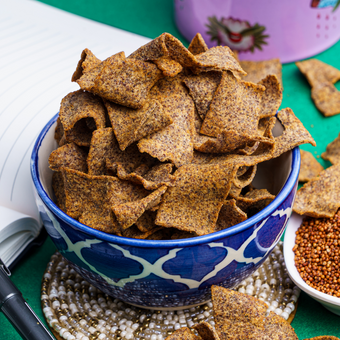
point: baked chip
(240, 316)
(254, 201)
(184, 333)
(332, 152)
(134, 232)
(235, 107)
(318, 72)
(68, 156)
(59, 190)
(202, 88)
(146, 221)
(206, 331)
(168, 66)
(294, 133)
(127, 82)
(174, 142)
(324, 337)
(257, 70)
(87, 62)
(128, 213)
(230, 215)
(309, 168)
(272, 96)
(86, 81)
(75, 109)
(59, 133)
(326, 98)
(197, 45)
(320, 197)
(131, 125)
(194, 202)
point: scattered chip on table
(294, 133)
(184, 333)
(310, 167)
(324, 337)
(326, 98)
(332, 152)
(206, 331)
(197, 45)
(320, 197)
(318, 72)
(257, 70)
(193, 204)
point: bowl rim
(198, 240)
(288, 244)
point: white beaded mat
(74, 309)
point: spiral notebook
(40, 47)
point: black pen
(17, 311)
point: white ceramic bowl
(330, 302)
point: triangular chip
(68, 156)
(240, 316)
(324, 337)
(310, 167)
(257, 70)
(174, 142)
(332, 152)
(254, 201)
(87, 61)
(202, 88)
(230, 215)
(193, 204)
(206, 331)
(236, 106)
(146, 221)
(294, 133)
(318, 72)
(86, 81)
(272, 96)
(320, 197)
(131, 125)
(197, 45)
(184, 333)
(326, 98)
(127, 82)
(128, 213)
(168, 66)
(75, 109)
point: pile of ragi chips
(165, 143)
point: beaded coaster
(74, 309)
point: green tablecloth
(151, 18)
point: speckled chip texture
(131, 125)
(174, 142)
(318, 72)
(183, 333)
(127, 82)
(230, 214)
(235, 106)
(332, 152)
(197, 45)
(193, 204)
(86, 81)
(326, 98)
(294, 133)
(206, 331)
(75, 109)
(202, 89)
(324, 337)
(240, 316)
(310, 167)
(165, 144)
(257, 70)
(320, 197)
(68, 156)
(87, 61)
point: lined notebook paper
(39, 50)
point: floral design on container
(237, 34)
(325, 3)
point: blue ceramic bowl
(174, 273)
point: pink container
(262, 29)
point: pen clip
(4, 267)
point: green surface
(151, 18)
